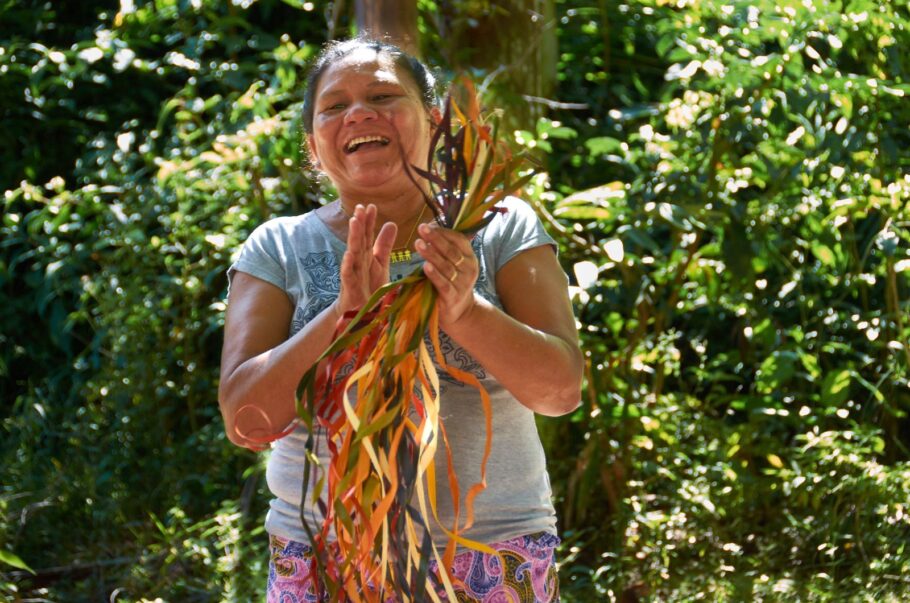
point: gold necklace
(401, 254)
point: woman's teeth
(354, 144)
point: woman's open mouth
(365, 142)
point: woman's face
(365, 111)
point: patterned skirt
(529, 575)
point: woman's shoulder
(515, 209)
(514, 229)
(516, 204)
(513, 213)
(289, 229)
(287, 224)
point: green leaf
(810, 362)
(602, 145)
(583, 213)
(664, 44)
(824, 254)
(547, 128)
(12, 559)
(678, 217)
(776, 370)
(524, 138)
(562, 132)
(591, 204)
(836, 387)
(640, 238)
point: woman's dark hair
(335, 51)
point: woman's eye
(334, 107)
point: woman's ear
(314, 156)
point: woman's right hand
(365, 265)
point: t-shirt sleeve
(261, 257)
(517, 230)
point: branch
(555, 104)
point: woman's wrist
(466, 318)
(335, 311)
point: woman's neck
(406, 211)
(399, 209)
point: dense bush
(745, 316)
(729, 190)
(116, 470)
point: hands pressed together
(365, 265)
(451, 265)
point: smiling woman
(504, 313)
(367, 114)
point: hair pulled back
(335, 51)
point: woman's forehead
(361, 64)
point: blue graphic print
(323, 282)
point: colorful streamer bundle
(378, 493)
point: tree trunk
(392, 21)
(513, 42)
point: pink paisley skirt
(529, 575)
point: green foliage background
(731, 202)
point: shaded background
(728, 183)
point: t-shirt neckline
(336, 242)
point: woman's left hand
(452, 267)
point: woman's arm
(260, 366)
(531, 348)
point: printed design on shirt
(321, 287)
(459, 358)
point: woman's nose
(358, 112)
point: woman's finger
(385, 240)
(355, 234)
(452, 267)
(448, 244)
(450, 252)
(369, 224)
(445, 284)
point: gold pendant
(400, 255)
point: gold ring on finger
(453, 277)
(460, 260)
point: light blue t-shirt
(301, 256)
